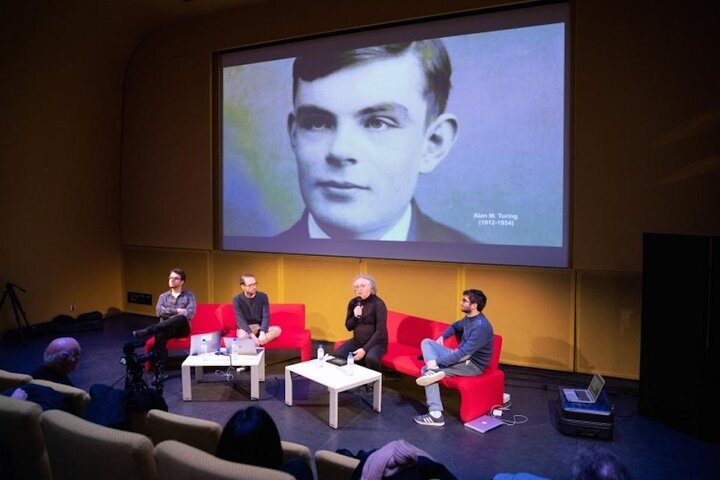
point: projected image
(445, 148)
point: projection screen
(442, 140)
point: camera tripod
(17, 307)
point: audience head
(599, 464)
(63, 354)
(251, 437)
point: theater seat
(22, 440)
(177, 461)
(80, 449)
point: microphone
(358, 303)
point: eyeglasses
(364, 285)
(464, 300)
(251, 285)
(175, 278)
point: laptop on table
(246, 346)
(585, 395)
(212, 339)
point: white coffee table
(256, 363)
(336, 379)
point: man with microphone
(367, 319)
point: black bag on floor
(84, 322)
(586, 419)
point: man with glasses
(367, 319)
(470, 358)
(252, 313)
(175, 309)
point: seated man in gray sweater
(470, 358)
(252, 313)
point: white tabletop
(334, 376)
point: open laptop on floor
(585, 395)
(212, 339)
(484, 423)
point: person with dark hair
(252, 312)
(367, 318)
(599, 464)
(251, 437)
(470, 358)
(365, 124)
(175, 310)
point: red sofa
(221, 317)
(288, 316)
(478, 395)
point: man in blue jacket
(470, 358)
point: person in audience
(252, 312)
(359, 156)
(470, 358)
(251, 437)
(175, 310)
(590, 464)
(60, 359)
(367, 318)
(599, 464)
(397, 460)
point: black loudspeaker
(679, 337)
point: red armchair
(290, 317)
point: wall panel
(227, 268)
(145, 270)
(324, 284)
(533, 310)
(428, 290)
(608, 323)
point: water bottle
(203, 346)
(321, 355)
(350, 363)
(234, 347)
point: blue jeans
(431, 350)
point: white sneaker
(429, 421)
(430, 377)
